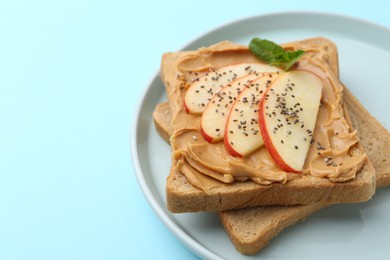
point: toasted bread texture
(182, 196)
(374, 137)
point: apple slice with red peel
(214, 117)
(287, 117)
(199, 94)
(242, 132)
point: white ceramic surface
(358, 230)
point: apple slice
(214, 117)
(287, 117)
(199, 94)
(242, 132)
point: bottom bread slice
(250, 229)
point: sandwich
(305, 149)
(252, 228)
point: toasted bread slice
(374, 137)
(250, 229)
(184, 197)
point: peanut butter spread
(334, 151)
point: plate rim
(188, 241)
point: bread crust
(251, 229)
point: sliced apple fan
(248, 105)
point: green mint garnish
(274, 54)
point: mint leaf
(293, 57)
(274, 54)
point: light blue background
(71, 74)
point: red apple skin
(228, 146)
(186, 108)
(267, 139)
(205, 135)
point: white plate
(358, 230)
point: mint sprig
(274, 54)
